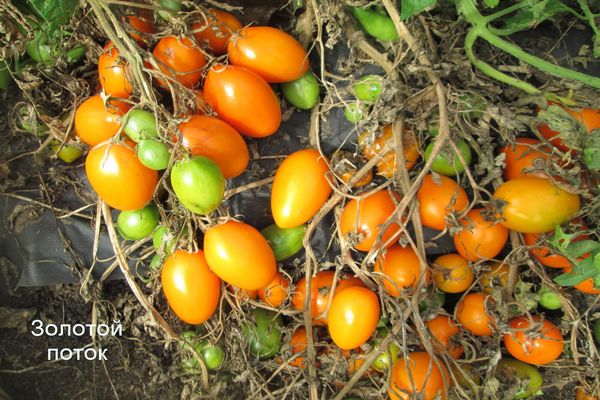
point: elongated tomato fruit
(191, 288)
(112, 73)
(240, 255)
(270, 52)
(353, 317)
(300, 188)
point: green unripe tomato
(442, 164)
(137, 224)
(355, 112)
(154, 154)
(284, 242)
(198, 184)
(264, 333)
(368, 88)
(39, 50)
(383, 361)
(376, 24)
(155, 262)
(302, 93)
(167, 8)
(5, 77)
(213, 356)
(523, 371)
(597, 331)
(549, 299)
(67, 153)
(76, 53)
(140, 125)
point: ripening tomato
(446, 334)
(494, 276)
(587, 286)
(535, 205)
(191, 288)
(216, 30)
(299, 342)
(401, 269)
(300, 188)
(96, 122)
(376, 148)
(525, 157)
(582, 395)
(118, 177)
(217, 140)
(140, 24)
(276, 292)
(473, 315)
(179, 59)
(112, 73)
(240, 255)
(361, 221)
(479, 238)
(270, 52)
(589, 117)
(242, 296)
(530, 344)
(452, 273)
(422, 375)
(198, 184)
(438, 197)
(353, 317)
(243, 99)
(544, 254)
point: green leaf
(572, 279)
(534, 13)
(410, 8)
(591, 150)
(578, 249)
(55, 13)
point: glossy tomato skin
(119, 178)
(401, 268)
(142, 24)
(447, 333)
(216, 30)
(198, 184)
(112, 73)
(303, 92)
(363, 218)
(270, 52)
(300, 188)
(473, 315)
(452, 273)
(227, 90)
(353, 317)
(95, 122)
(535, 205)
(240, 255)
(479, 238)
(438, 197)
(191, 288)
(537, 347)
(217, 140)
(180, 60)
(522, 156)
(284, 242)
(276, 292)
(422, 375)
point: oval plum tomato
(368, 88)
(495, 275)
(587, 286)
(361, 220)
(525, 157)
(264, 333)
(479, 238)
(112, 73)
(303, 92)
(270, 52)
(447, 162)
(240, 255)
(300, 188)
(284, 242)
(353, 317)
(216, 30)
(401, 268)
(217, 140)
(137, 224)
(530, 344)
(452, 273)
(446, 334)
(376, 148)
(588, 117)
(473, 315)
(198, 184)
(544, 254)
(438, 197)
(276, 292)
(96, 122)
(140, 24)
(226, 90)
(140, 125)
(179, 59)
(422, 375)
(119, 178)
(154, 154)
(535, 205)
(191, 288)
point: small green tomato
(137, 224)
(368, 88)
(442, 163)
(355, 111)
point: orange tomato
(270, 52)
(446, 334)
(299, 342)
(276, 292)
(346, 164)
(361, 220)
(216, 30)
(387, 167)
(582, 395)
(180, 60)
(191, 288)
(438, 197)
(522, 157)
(242, 295)
(401, 268)
(141, 24)
(586, 286)
(589, 118)
(353, 317)
(537, 347)
(227, 90)
(240, 255)
(452, 273)
(119, 178)
(479, 238)
(300, 188)
(496, 274)
(217, 140)
(544, 254)
(112, 73)
(472, 314)
(422, 375)
(96, 122)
